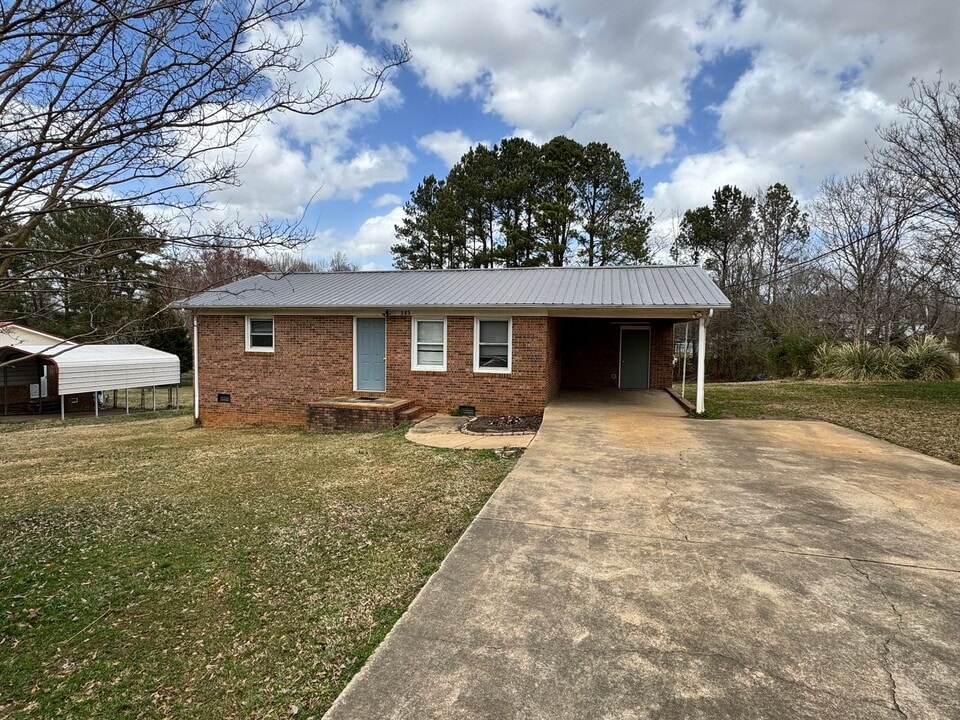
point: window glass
(493, 346)
(493, 331)
(430, 355)
(429, 350)
(430, 331)
(261, 332)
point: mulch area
(505, 424)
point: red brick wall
(554, 357)
(313, 359)
(524, 390)
(661, 354)
(590, 350)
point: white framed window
(492, 345)
(259, 334)
(428, 344)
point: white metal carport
(93, 368)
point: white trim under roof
(91, 368)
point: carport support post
(126, 399)
(701, 361)
(96, 405)
(154, 398)
(63, 410)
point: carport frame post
(701, 361)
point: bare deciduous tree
(865, 223)
(141, 103)
(925, 144)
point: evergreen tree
(518, 204)
(616, 226)
(518, 183)
(556, 215)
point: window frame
(273, 334)
(414, 343)
(476, 346)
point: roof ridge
(397, 271)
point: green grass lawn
(923, 416)
(152, 569)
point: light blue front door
(371, 354)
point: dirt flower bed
(503, 424)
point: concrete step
(409, 412)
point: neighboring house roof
(647, 287)
(12, 333)
(89, 368)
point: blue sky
(693, 94)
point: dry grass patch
(151, 569)
(922, 416)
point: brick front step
(359, 413)
(414, 414)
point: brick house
(501, 341)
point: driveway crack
(667, 501)
(885, 651)
(863, 488)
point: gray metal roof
(89, 368)
(654, 286)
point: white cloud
(822, 78)
(373, 239)
(387, 199)
(376, 235)
(293, 160)
(448, 146)
(618, 74)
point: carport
(87, 369)
(626, 351)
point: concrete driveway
(638, 564)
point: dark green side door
(634, 358)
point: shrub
(792, 355)
(822, 359)
(863, 361)
(928, 359)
